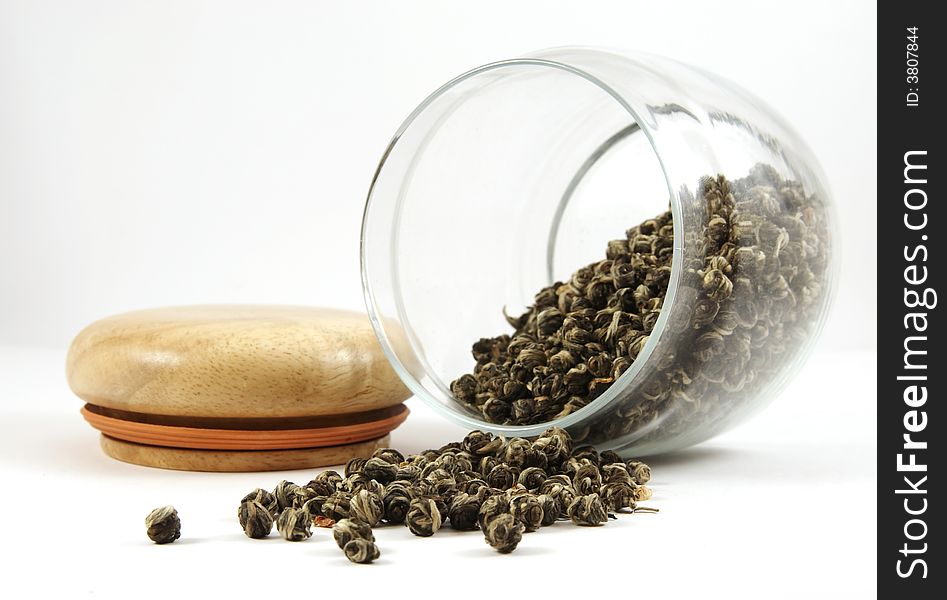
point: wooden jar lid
(236, 388)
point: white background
(187, 152)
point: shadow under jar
(510, 178)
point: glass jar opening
(503, 181)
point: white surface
(782, 507)
(185, 151)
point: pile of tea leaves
(578, 337)
(500, 487)
(751, 293)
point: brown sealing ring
(218, 433)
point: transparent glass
(514, 175)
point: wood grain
(234, 461)
(233, 361)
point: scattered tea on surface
(255, 518)
(347, 530)
(361, 550)
(265, 498)
(503, 532)
(588, 511)
(424, 517)
(294, 524)
(367, 506)
(503, 487)
(164, 525)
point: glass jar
(514, 175)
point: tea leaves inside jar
(752, 288)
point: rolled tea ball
(338, 506)
(515, 453)
(535, 458)
(355, 482)
(320, 488)
(367, 506)
(294, 524)
(164, 525)
(424, 517)
(642, 493)
(486, 465)
(360, 550)
(495, 410)
(372, 486)
(502, 476)
(428, 455)
(481, 443)
(303, 494)
(619, 495)
(441, 507)
(561, 479)
(587, 452)
(639, 471)
(473, 485)
(587, 479)
(285, 494)
(267, 499)
(464, 511)
(397, 500)
(428, 468)
(560, 488)
(531, 478)
(408, 472)
(551, 509)
(566, 495)
(347, 530)
(503, 532)
(328, 479)
(256, 520)
(389, 454)
(556, 444)
(464, 466)
(616, 473)
(313, 506)
(354, 466)
(609, 457)
(493, 506)
(587, 510)
(527, 509)
(457, 461)
(440, 483)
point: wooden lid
(235, 461)
(233, 361)
(236, 378)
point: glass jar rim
(610, 395)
